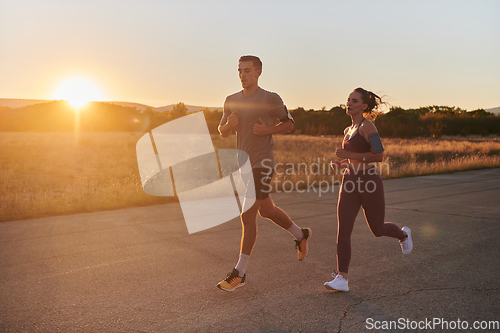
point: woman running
(361, 184)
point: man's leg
(270, 211)
(265, 207)
(248, 236)
(236, 279)
(249, 228)
(302, 236)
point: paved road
(138, 270)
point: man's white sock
(296, 231)
(241, 266)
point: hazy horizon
(212, 107)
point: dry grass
(403, 157)
(430, 156)
(45, 174)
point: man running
(251, 114)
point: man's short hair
(256, 61)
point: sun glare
(78, 92)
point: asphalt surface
(138, 269)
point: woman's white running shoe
(338, 283)
(407, 244)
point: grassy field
(45, 174)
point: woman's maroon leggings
(366, 189)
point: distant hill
(191, 108)
(494, 110)
(139, 107)
(142, 107)
(60, 116)
(19, 103)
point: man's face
(249, 76)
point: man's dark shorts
(262, 179)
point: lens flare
(78, 92)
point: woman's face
(355, 104)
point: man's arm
(281, 128)
(279, 111)
(284, 127)
(226, 129)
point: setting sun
(78, 92)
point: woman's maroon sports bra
(356, 144)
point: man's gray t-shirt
(264, 105)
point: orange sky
(314, 53)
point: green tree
(179, 110)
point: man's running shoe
(407, 244)
(338, 283)
(232, 282)
(302, 246)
